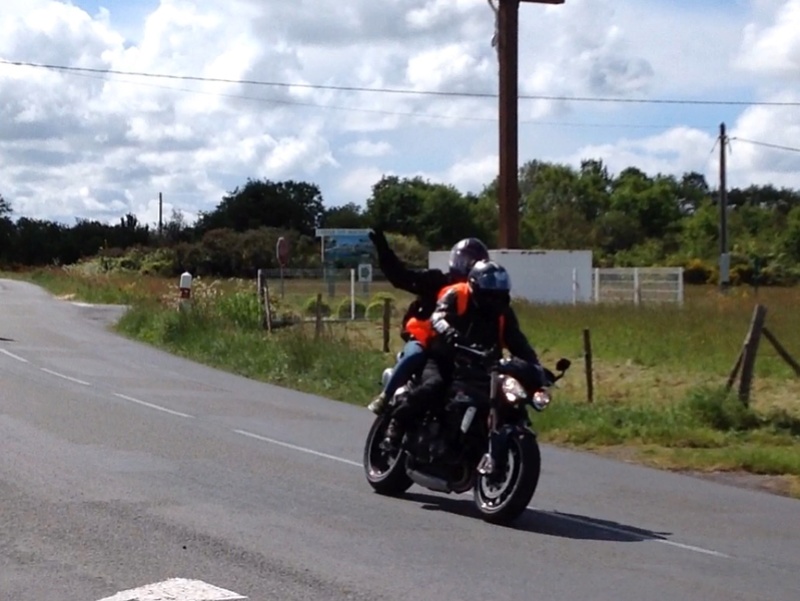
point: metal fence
(636, 285)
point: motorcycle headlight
(541, 399)
(513, 390)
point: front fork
(498, 448)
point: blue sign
(345, 247)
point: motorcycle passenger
(474, 312)
(426, 284)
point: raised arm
(415, 281)
(515, 339)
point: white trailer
(540, 276)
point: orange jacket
(422, 329)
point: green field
(658, 370)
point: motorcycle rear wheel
(385, 474)
(504, 502)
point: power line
(383, 111)
(767, 144)
(400, 90)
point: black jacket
(473, 327)
(424, 283)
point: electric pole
(507, 15)
(160, 214)
(724, 257)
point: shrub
(343, 311)
(721, 410)
(375, 310)
(310, 307)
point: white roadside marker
(176, 589)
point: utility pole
(160, 214)
(724, 257)
(507, 32)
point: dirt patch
(777, 485)
(786, 486)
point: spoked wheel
(385, 471)
(501, 498)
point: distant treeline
(633, 219)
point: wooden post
(318, 324)
(735, 370)
(263, 301)
(750, 351)
(782, 351)
(387, 321)
(587, 358)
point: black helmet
(490, 286)
(464, 255)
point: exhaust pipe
(431, 482)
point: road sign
(282, 251)
(365, 272)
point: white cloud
(774, 47)
(367, 148)
(95, 146)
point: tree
(289, 205)
(345, 216)
(6, 229)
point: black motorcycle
(479, 438)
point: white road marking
(622, 531)
(80, 304)
(151, 405)
(70, 378)
(632, 533)
(176, 589)
(12, 355)
(296, 448)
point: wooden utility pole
(508, 58)
(724, 258)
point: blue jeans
(412, 359)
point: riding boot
(378, 405)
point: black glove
(451, 336)
(378, 238)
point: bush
(343, 311)
(696, 271)
(310, 307)
(721, 410)
(375, 310)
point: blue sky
(94, 145)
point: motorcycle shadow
(549, 523)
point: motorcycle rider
(426, 284)
(477, 312)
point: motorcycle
(479, 438)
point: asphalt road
(122, 466)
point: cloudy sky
(94, 144)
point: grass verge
(670, 413)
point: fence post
(750, 351)
(597, 284)
(387, 320)
(352, 294)
(637, 291)
(318, 321)
(680, 286)
(587, 358)
(574, 286)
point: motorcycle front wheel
(385, 472)
(502, 499)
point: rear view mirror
(563, 364)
